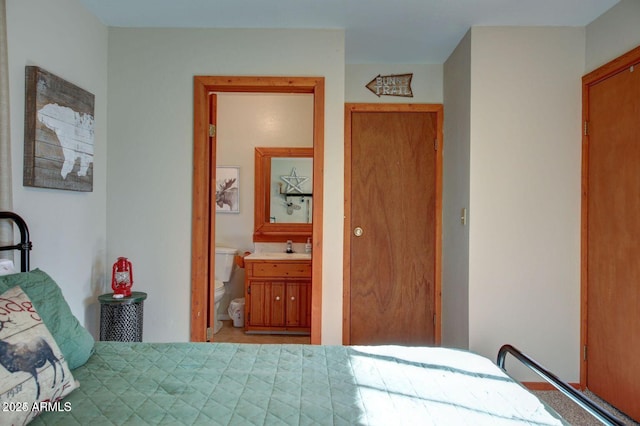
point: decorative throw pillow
(6, 267)
(34, 375)
(73, 339)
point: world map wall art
(58, 133)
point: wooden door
(210, 288)
(393, 225)
(612, 237)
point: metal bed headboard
(24, 245)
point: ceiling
(376, 31)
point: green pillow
(75, 342)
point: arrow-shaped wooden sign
(392, 85)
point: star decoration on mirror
(294, 186)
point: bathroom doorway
(246, 122)
(203, 219)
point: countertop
(272, 255)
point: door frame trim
(594, 77)
(204, 161)
(349, 109)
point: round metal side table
(121, 319)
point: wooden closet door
(393, 235)
(613, 232)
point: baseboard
(546, 386)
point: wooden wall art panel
(58, 133)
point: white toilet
(224, 268)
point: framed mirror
(283, 194)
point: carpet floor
(574, 414)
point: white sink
(273, 255)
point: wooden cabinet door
(298, 303)
(277, 304)
(267, 304)
(257, 314)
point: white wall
(246, 121)
(455, 234)
(150, 152)
(426, 83)
(614, 33)
(524, 125)
(524, 261)
(68, 229)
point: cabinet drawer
(281, 270)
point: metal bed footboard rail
(587, 404)
(25, 244)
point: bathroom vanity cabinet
(277, 295)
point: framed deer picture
(227, 189)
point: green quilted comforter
(222, 384)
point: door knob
(358, 231)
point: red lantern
(122, 278)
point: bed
(82, 382)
